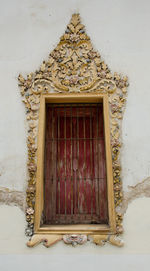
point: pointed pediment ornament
(73, 66)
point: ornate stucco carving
(112, 239)
(47, 240)
(75, 239)
(74, 66)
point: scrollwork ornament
(75, 239)
(73, 66)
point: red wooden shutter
(75, 165)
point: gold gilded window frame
(39, 204)
(73, 69)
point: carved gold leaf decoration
(99, 239)
(73, 66)
(47, 240)
(112, 239)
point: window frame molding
(39, 201)
(74, 67)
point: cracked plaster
(141, 189)
(12, 197)
(17, 198)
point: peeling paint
(12, 197)
(141, 189)
(18, 198)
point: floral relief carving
(73, 66)
(75, 239)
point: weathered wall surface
(119, 30)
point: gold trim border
(86, 229)
(73, 67)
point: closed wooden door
(75, 165)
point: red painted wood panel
(75, 165)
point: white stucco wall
(119, 30)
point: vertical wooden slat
(93, 119)
(71, 171)
(81, 167)
(84, 166)
(68, 164)
(92, 165)
(65, 160)
(74, 159)
(58, 155)
(88, 169)
(91, 175)
(48, 166)
(102, 166)
(96, 158)
(54, 161)
(60, 160)
(78, 184)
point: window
(75, 186)
(74, 190)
